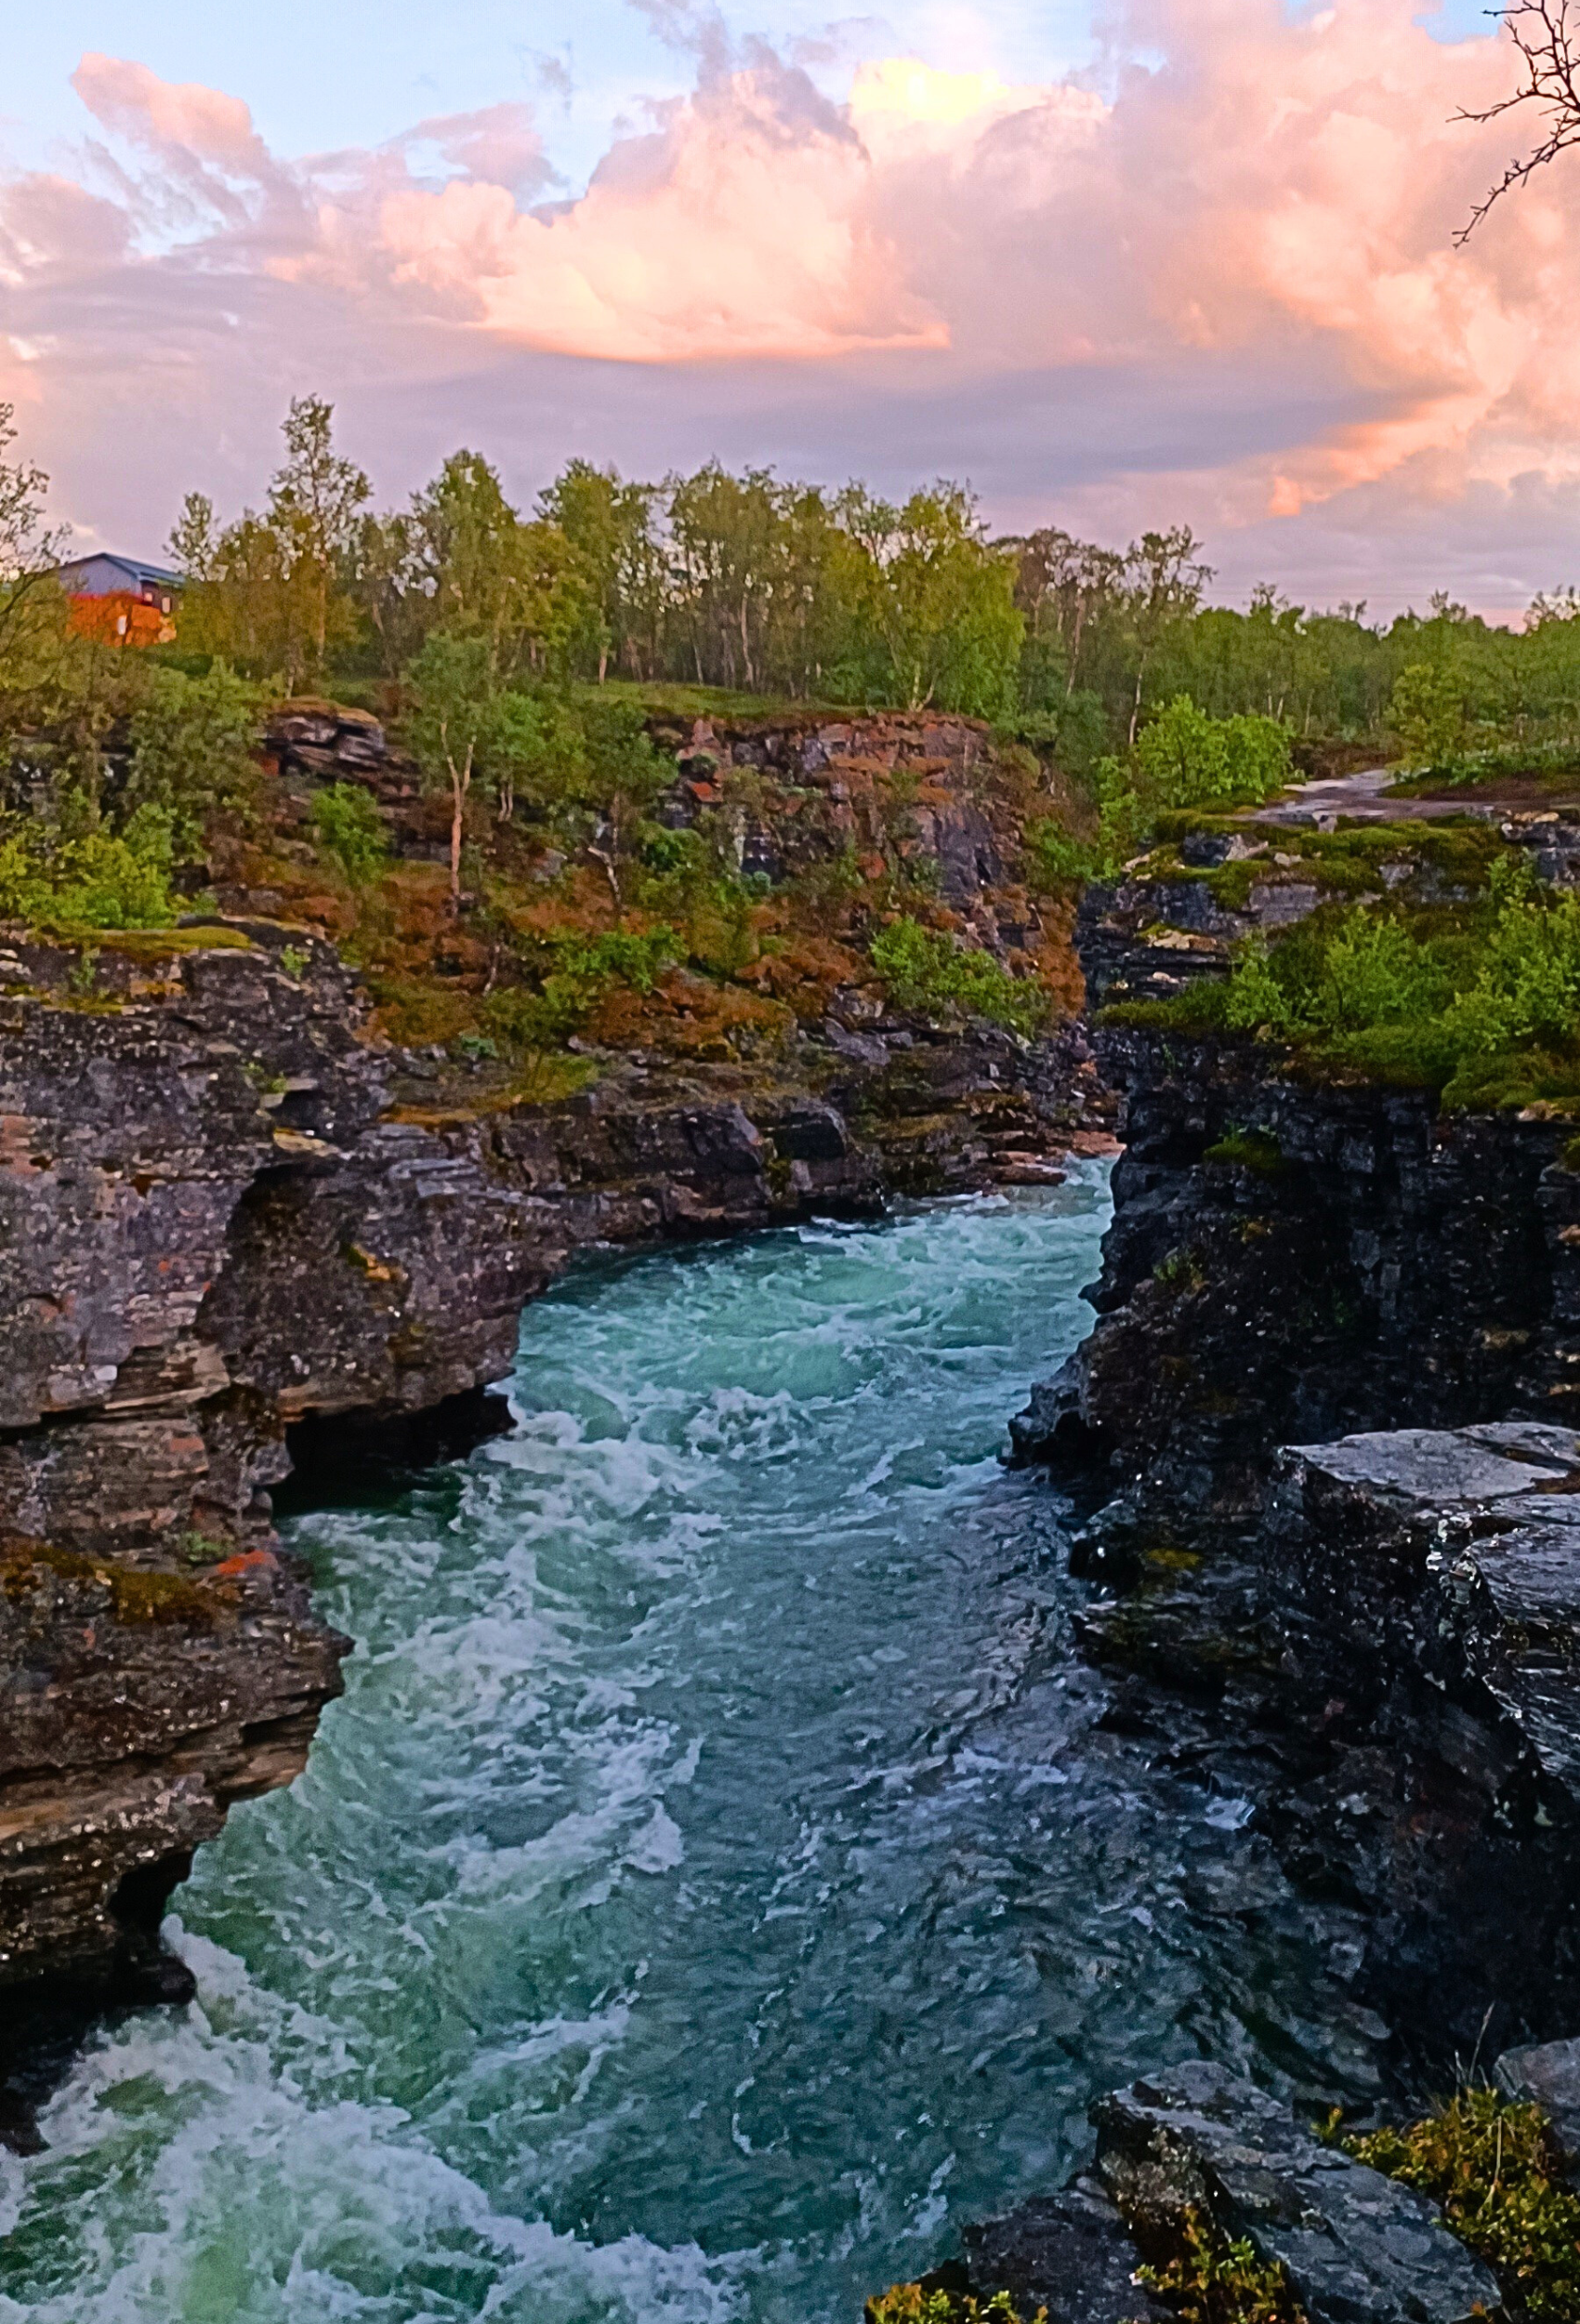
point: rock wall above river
(1309, 1280)
(228, 1212)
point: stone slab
(1548, 2073)
(1359, 2247)
(1425, 1465)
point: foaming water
(713, 1881)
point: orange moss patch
(136, 1595)
(689, 1016)
(807, 971)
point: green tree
(194, 543)
(519, 588)
(453, 683)
(385, 580)
(943, 603)
(1184, 758)
(623, 777)
(727, 550)
(610, 526)
(1164, 581)
(314, 505)
(1427, 714)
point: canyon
(244, 1230)
(1320, 1442)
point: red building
(120, 600)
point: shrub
(1185, 757)
(581, 969)
(908, 2304)
(923, 970)
(1483, 1005)
(1490, 2163)
(99, 881)
(1216, 2280)
(193, 741)
(349, 830)
(1184, 760)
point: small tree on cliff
(456, 709)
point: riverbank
(720, 1878)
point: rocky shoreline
(1322, 1430)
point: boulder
(1548, 2074)
(1070, 2254)
(1358, 2248)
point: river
(715, 1881)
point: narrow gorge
(747, 1825)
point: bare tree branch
(1547, 33)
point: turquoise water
(715, 1882)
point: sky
(1142, 263)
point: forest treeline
(519, 649)
(753, 583)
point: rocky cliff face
(232, 1220)
(1375, 1639)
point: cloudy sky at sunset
(1190, 261)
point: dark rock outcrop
(1357, 2248)
(1200, 2148)
(1293, 1262)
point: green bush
(1482, 1005)
(1184, 761)
(908, 2304)
(101, 880)
(923, 970)
(193, 741)
(1184, 758)
(1371, 973)
(1490, 2163)
(578, 970)
(1216, 2280)
(349, 830)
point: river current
(715, 1882)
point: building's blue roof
(140, 573)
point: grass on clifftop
(1477, 1001)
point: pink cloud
(1247, 251)
(171, 117)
